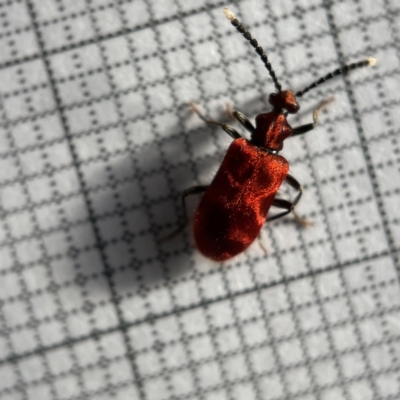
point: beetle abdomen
(234, 207)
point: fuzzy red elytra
(235, 205)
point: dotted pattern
(96, 145)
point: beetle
(235, 205)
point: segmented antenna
(340, 71)
(238, 25)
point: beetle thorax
(271, 130)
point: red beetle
(235, 205)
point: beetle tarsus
(260, 242)
(301, 220)
(232, 132)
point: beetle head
(284, 100)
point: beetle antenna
(238, 25)
(340, 71)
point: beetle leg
(295, 184)
(281, 203)
(233, 133)
(308, 127)
(229, 112)
(262, 244)
(241, 118)
(185, 193)
(244, 121)
(289, 205)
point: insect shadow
(133, 196)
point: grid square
(271, 386)
(352, 365)
(179, 62)
(335, 393)
(310, 318)
(145, 43)
(290, 352)
(371, 331)
(244, 391)
(17, 15)
(317, 345)
(124, 77)
(275, 299)
(361, 390)
(135, 13)
(155, 71)
(73, 92)
(107, 21)
(51, 333)
(175, 356)
(345, 337)
(228, 341)
(247, 306)
(10, 286)
(45, 306)
(47, 10)
(239, 278)
(337, 311)
(186, 294)
(60, 361)
(388, 385)
(218, 87)
(282, 325)
(326, 373)
(127, 393)
(213, 287)
(194, 322)
(164, 9)
(67, 387)
(24, 341)
(182, 383)
(32, 369)
(23, 45)
(235, 367)
(201, 348)
(380, 357)
(56, 36)
(209, 374)
(263, 360)
(217, 395)
(199, 26)
(20, 225)
(41, 391)
(8, 170)
(298, 379)
(156, 389)
(16, 314)
(7, 378)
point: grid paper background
(96, 145)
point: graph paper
(97, 143)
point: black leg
(244, 121)
(295, 184)
(187, 192)
(233, 133)
(289, 205)
(308, 127)
(280, 203)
